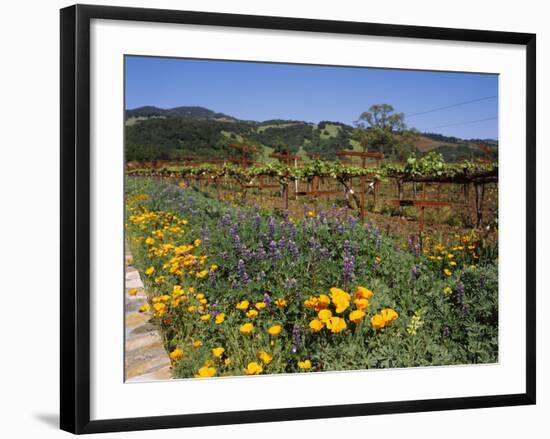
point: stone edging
(144, 358)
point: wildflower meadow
(241, 290)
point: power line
(461, 123)
(451, 106)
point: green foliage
(156, 133)
(443, 318)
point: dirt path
(145, 357)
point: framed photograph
(274, 218)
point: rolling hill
(157, 133)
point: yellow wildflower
(220, 318)
(265, 357)
(336, 324)
(340, 299)
(304, 364)
(260, 305)
(389, 315)
(247, 328)
(243, 305)
(363, 293)
(201, 274)
(274, 330)
(252, 313)
(377, 321)
(324, 315)
(356, 316)
(206, 372)
(253, 368)
(160, 308)
(176, 354)
(361, 303)
(218, 352)
(316, 325)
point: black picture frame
(75, 217)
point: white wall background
(29, 206)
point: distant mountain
(177, 112)
(157, 133)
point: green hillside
(155, 133)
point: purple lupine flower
(348, 269)
(241, 273)
(292, 231)
(282, 244)
(446, 331)
(258, 220)
(378, 238)
(260, 276)
(286, 216)
(237, 243)
(271, 228)
(291, 284)
(347, 247)
(459, 293)
(293, 249)
(349, 263)
(214, 309)
(260, 254)
(273, 251)
(246, 253)
(226, 220)
(268, 301)
(323, 253)
(212, 275)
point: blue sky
(261, 91)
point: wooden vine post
(363, 155)
(422, 204)
(288, 158)
(480, 194)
